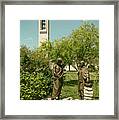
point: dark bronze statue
(57, 79)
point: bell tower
(43, 31)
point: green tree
(81, 45)
(85, 43)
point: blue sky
(58, 29)
(29, 33)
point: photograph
(59, 59)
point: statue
(57, 79)
(84, 80)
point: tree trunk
(78, 81)
(69, 67)
(78, 75)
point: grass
(96, 89)
(70, 91)
(71, 76)
(94, 76)
(70, 87)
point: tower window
(43, 24)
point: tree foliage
(85, 40)
(81, 45)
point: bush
(34, 86)
(35, 76)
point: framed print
(59, 60)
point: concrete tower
(43, 31)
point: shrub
(35, 76)
(34, 86)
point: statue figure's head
(59, 61)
